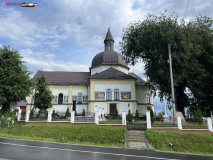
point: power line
(186, 9)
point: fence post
(209, 124)
(50, 111)
(27, 116)
(148, 120)
(72, 118)
(19, 114)
(179, 123)
(123, 118)
(96, 117)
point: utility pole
(172, 84)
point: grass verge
(181, 142)
(90, 135)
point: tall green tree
(15, 81)
(191, 47)
(43, 96)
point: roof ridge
(63, 71)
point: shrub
(32, 113)
(53, 114)
(129, 117)
(198, 116)
(7, 119)
(137, 117)
(67, 114)
(83, 113)
(116, 113)
(152, 115)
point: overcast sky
(65, 35)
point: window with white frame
(109, 94)
(65, 98)
(116, 94)
(80, 98)
(147, 98)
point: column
(27, 116)
(19, 114)
(123, 118)
(148, 119)
(50, 111)
(96, 117)
(179, 123)
(72, 118)
(209, 124)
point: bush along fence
(180, 122)
(50, 116)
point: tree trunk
(181, 98)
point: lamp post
(172, 84)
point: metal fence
(61, 116)
(163, 122)
(38, 116)
(110, 119)
(194, 123)
(85, 117)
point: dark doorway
(60, 98)
(112, 108)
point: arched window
(147, 98)
(116, 94)
(80, 98)
(60, 98)
(109, 95)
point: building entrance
(112, 108)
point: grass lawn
(194, 126)
(181, 142)
(81, 134)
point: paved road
(32, 150)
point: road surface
(12, 149)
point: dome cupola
(108, 58)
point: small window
(80, 98)
(109, 95)
(60, 98)
(147, 98)
(116, 94)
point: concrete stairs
(136, 139)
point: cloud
(138, 69)
(84, 22)
(37, 60)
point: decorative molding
(112, 101)
(145, 104)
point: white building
(107, 87)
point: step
(137, 140)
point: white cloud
(84, 22)
(138, 69)
(37, 60)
